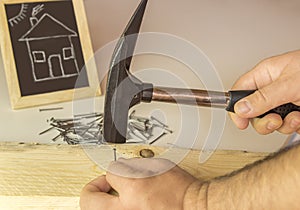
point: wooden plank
(38, 203)
(52, 176)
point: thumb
(265, 99)
(95, 195)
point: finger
(241, 123)
(153, 165)
(267, 76)
(99, 184)
(99, 201)
(94, 196)
(123, 171)
(120, 168)
(267, 124)
(140, 167)
(118, 174)
(263, 73)
(258, 77)
(291, 123)
(266, 99)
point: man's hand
(277, 82)
(142, 184)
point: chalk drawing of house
(50, 48)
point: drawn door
(55, 66)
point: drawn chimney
(36, 10)
(33, 20)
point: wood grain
(52, 176)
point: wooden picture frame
(47, 52)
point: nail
(160, 122)
(243, 107)
(45, 131)
(115, 154)
(157, 138)
(50, 109)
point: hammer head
(123, 89)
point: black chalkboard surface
(46, 45)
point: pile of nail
(142, 129)
(84, 128)
(88, 129)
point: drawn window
(68, 53)
(39, 56)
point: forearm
(271, 184)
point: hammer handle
(190, 97)
(282, 110)
(225, 100)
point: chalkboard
(45, 42)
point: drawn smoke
(36, 10)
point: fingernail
(243, 107)
(294, 123)
(271, 126)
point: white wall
(234, 34)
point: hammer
(124, 90)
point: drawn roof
(47, 27)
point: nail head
(146, 153)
